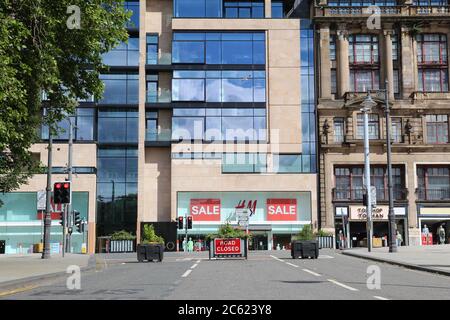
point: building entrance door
(258, 242)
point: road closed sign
(227, 246)
(281, 209)
(205, 209)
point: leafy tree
(42, 50)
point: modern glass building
(209, 108)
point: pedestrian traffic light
(61, 219)
(180, 222)
(77, 220)
(61, 192)
(189, 222)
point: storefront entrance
(433, 226)
(258, 242)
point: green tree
(43, 50)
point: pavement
(19, 270)
(266, 275)
(426, 258)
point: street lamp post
(391, 215)
(367, 105)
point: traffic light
(189, 222)
(61, 192)
(77, 220)
(61, 219)
(180, 222)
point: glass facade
(116, 189)
(117, 126)
(84, 126)
(227, 124)
(120, 88)
(219, 9)
(219, 86)
(21, 224)
(219, 48)
(133, 6)
(125, 54)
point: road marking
(277, 258)
(380, 298)
(186, 273)
(324, 256)
(193, 267)
(342, 285)
(198, 261)
(291, 264)
(7, 293)
(312, 272)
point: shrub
(122, 235)
(149, 235)
(322, 233)
(305, 234)
(227, 231)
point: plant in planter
(122, 241)
(227, 231)
(151, 247)
(305, 244)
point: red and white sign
(281, 209)
(205, 209)
(227, 246)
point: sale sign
(205, 209)
(281, 209)
(227, 246)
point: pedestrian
(184, 244)
(278, 247)
(441, 234)
(190, 245)
(399, 239)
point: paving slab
(426, 258)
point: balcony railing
(163, 135)
(332, 11)
(346, 194)
(433, 193)
(163, 96)
(164, 59)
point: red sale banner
(227, 246)
(205, 209)
(281, 209)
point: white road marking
(291, 264)
(312, 272)
(186, 273)
(380, 298)
(277, 258)
(324, 256)
(342, 285)
(198, 261)
(193, 267)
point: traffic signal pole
(69, 176)
(48, 215)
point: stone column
(389, 63)
(343, 69)
(268, 8)
(325, 63)
(409, 66)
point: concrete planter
(150, 252)
(305, 249)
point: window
(134, 7)
(287, 163)
(198, 8)
(219, 86)
(125, 54)
(332, 47)
(431, 3)
(120, 88)
(339, 130)
(361, 3)
(374, 129)
(117, 125)
(433, 182)
(333, 81)
(396, 130)
(437, 128)
(277, 9)
(432, 62)
(151, 125)
(84, 123)
(364, 63)
(350, 182)
(225, 124)
(219, 48)
(244, 163)
(152, 48)
(152, 88)
(248, 9)
(396, 81)
(394, 39)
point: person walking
(399, 239)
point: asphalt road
(264, 276)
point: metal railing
(346, 194)
(433, 193)
(331, 11)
